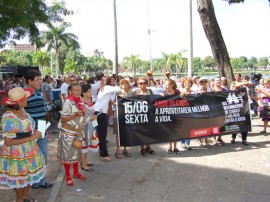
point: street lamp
(190, 56)
(149, 34)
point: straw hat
(149, 72)
(16, 95)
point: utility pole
(115, 64)
(149, 34)
(190, 56)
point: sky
(245, 27)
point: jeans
(244, 136)
(102, 120)
(43, 146)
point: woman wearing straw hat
(22, 163)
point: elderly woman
(218, 87)
(22, 163)
(88, 130)
(126, 88)
(72, 127)
(142, 90)
(265, 104)
(237, 85)
(171, 90)
(187, 84)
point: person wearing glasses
(36, 109)
(203, 87)
(187, 84)
(142, 90)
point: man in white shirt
(101, 108)
(64, 88)
(96, 86)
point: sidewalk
(233, 172)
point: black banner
(153, 119)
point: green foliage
(263, 61)
(21, 18)
(13, 58)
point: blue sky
(245, 27)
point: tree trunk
(57, 62)
(214, 36)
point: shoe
(69, 181)
(89, 170)
(184, 146)
(263, 131)
(150, 151)
(217, 143)
(221, 142)
(90, 164)
(126, 153)
(176, 151)
(79, 176)
(117, 155)
(105, 158)
(44, 186)
(189, 147)
(169, 151)
(143, 152)
(233, 141)
(30, 200)
(245, 143)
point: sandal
(69, 181)
(150, 151)
(144, 152)
(263, 131)
(105, 158)
(176, 151)
(169, 151)
(126, 153)
(79, 176)
(233, 141)
(117, 155)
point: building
(23, 47)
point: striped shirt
(35, 107)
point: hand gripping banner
(154, 118)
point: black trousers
(244, 136)
(102, 120)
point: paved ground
(233, 172)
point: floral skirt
(21, 165)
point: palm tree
(132, 62)
(42, 59)
(56, 37)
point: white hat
(17, 94)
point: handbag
(77, 142)
(94, 146)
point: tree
(215, 38)
(263, 61)
(55, 38)
(21, 18)
(132, 63)
(42, 59)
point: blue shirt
(35, 107)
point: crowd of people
(89, 108)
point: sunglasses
(203, 81)
(141, 83)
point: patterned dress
(23, 164)
(66, 153)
